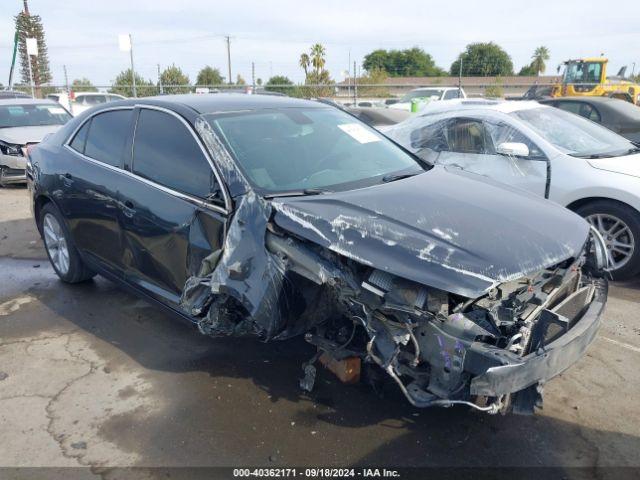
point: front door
(472, 144)
(170, 221)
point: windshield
(293, 149)
(32, 115)
(583, 72)
(573, 134)
(431, 92)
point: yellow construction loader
(588, 77)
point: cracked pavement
(93, 376)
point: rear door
(171, 216)
(89, 197)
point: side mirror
(513, 149)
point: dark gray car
(618, 115)
(275, 217)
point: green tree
(240, 80)
(527, 71)
(209, 76)
(412, 62)
(483, 60)
(259, 81)
(83, 85)
(540, 56)
(495, 90)
(30, 26)
(174, 80)
(318, 61)
(304, 63)
(122, 85)
(278, 83)
(378, 77)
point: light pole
(126, 44)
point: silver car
(546, 151)
(24, 122)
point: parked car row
(276, 217)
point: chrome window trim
(198, 201)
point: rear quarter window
(107, 136)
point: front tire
(61, 251)
(619, 226)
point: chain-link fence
(351, 91)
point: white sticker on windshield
(359, 133)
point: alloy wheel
(56, 243)
(617, 237)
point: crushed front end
(493, 353)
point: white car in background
(428, 94)
(23, 123)
(81, 101)
(549, 152)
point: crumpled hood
(627, 165)
(24, 135)
(450, 230)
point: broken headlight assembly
(10, 149)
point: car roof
(26, 101)
(223, 102)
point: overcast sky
(82, 34)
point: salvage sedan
(23, 123)
(276, 217)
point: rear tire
(619, 225)
(60, 248)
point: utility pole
(133, 71)
(66, 85)
(460, 79)
(228, 38)
(355, 85)
(349, 76)
(253, 76)
(160, 81)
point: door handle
(128, 209)
(67, 180)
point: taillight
(72, 95)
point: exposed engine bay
(440, 348)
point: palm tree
(540, 56)
(304, 62)
(317, 57)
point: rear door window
(108, 135)
(166, 153)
